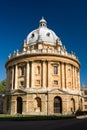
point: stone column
(43, 74)
(63, 80)
(41, 80)
(48, 74)
(60, 76)
(7, 83)
(32, 74)
(72, 77)
(9, 78)
(75, 77)
(78, 80)
(16, 76)
(27, 75)
(12, 78)
(65, 74)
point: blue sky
(67, 18)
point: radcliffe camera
(43, 79)
(43, 65)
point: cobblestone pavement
(68, 124)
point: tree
(3, 86)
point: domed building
(43, 79)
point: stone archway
(57, 105)
(19, 105)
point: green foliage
(3, 86)
(20, 117)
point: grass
(6, 117)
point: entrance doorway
(57, 105)
(19, 105)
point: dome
(43, 34)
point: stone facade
(43, 78)
(1, 102)
(84, 93)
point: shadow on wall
(1, 103)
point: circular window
(48, 34)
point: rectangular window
(85, 99)
(21, 83)
(37, 82)
(85, 106)
(85, 92)
(55, 82)
(22, 71)
(38, 70)
(55, 70)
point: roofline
(41, 54)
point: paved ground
(69, 124)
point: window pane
(38, 70)
(85, 99)
(85, 106)
(55, 82)
(22, 71)
(55, 69)
(22, 83)
(85, 92)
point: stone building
(84, 93)
(42, 79)
(1, 102)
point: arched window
(55, 70)
(32, 36)
(19, 105)
(38, 70)
(37, 104)
(57, 105)
(22, 70)
(72, 105)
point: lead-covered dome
(42, 34)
